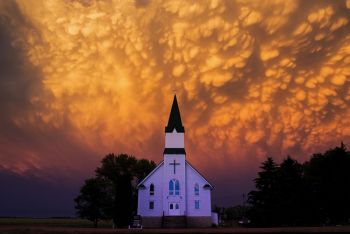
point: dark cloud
(26, 140)
(142, 3)
(34, 197)
(79, 79)
(19, 79)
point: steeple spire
(174, 119)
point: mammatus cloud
(253, 78)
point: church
(174, 194)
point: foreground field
(79, 226)
(50, 222)
(76, 230)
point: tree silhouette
(328, 178)
(119, 170)
(314, 193)
(116, 197)
(289, 185)
(94, 197)
(263, 199)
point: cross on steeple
(173, 86)
(174, 164)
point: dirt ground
(76, 230)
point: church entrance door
(174, 208)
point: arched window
(174, 187)
(171, 187)
(177, 187)
(196, 189)
(151, 189)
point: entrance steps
(174, 221)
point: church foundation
(198, 221)
(152, 222)
(191, 221)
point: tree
(289, 192)
(328, 178)
(120, 174)
(119, 170)
(142, 168)
(236, 213)
(263, 199)
(93, 198)
(279, 193)
(314, 193)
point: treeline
(112, 194)
(316, 192)
(233, 215)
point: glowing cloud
(253, 79)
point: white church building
(174, 194)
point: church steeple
(174, 132)
(175, 119)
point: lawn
(81, 226)
(51, 222)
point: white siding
(204, 197)
(187, 177)
(180, 175)
(174, 140)
(144, 196)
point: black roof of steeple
(174, 119)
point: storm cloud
(80, 79)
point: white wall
(144, 195)
(174, 140)
(187, 177)
(168, 174)
(204, 196)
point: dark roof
(174, 119)
(174, 151)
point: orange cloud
(270, 77)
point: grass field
(51, 222)
(80, 226)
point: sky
(83, 78)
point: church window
(174, 187)
(177, 206)
(177, 187)
(151, 205)
(196, 204)
(171, 187)
(151, 189)
(196, 189)
(171, 206)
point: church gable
(198, 193)
(150, 175)
(197, 174)
(150, 193)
